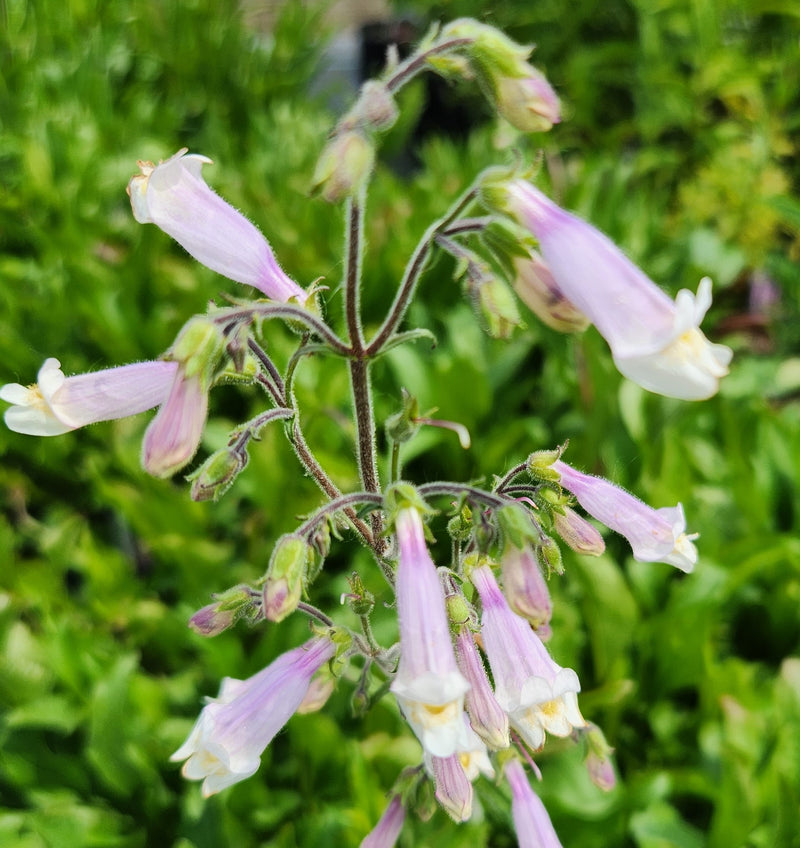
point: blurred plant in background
(678, 141)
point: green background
(679, 141)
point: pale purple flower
(577, 532)
(226, 743)
(386, 831)
(525, 587)
(58, 404)
(531, 821)
(487, 718)
(173, 436)
(453, 787)
(655, 535)
(655, 342)
(174, 197)
(428, 686)
(536, 692)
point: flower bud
(526, 100)
(539, 291)
(517, 525)
(344, 165)
(525, 587)
(540, 465)
(284, 579)
(198, 347)
(319, 690)
(216, 475)
(549, 555)
(228, 607)
(498, 308)
(578, 533)
(376, 109)
(598, 759)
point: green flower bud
(517, 525)
(283, 585)
(344, 165)
(216, 475)
(549, 555)
(499, 308)
(198, 348)
(540, 465)
(402, 426)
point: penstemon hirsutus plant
(490, 601)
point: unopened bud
(487, 718)
(549, 555)
(211, 621)
(540, 465)
(458, 609)
(344, 165)
(517, 525)
(525, 587)
(318, 692)
(453, 788)
(498, 308)
(539, 291)
(376, 109)
(526, 99)
(284, 579)
(578, 533)
(216, 475)
(228, 607)
(598, 759)
(198, 348)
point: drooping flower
(536, 692)
(487, 718)
(655, 535)
(58, 404)
(227, 741)
(173, 436)
(386, 831)
(174, 196)
(520, 92)
(428, 685)
(525, 587)
(655, 342)
(531, 821)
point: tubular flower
(537, 694)
(531, 822)
(655, 535)
(386, 831)
(429, 687)
(58, 404)
(487, 718)
(226, 743)
(655, 342)
(174, 196)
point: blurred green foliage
(680, 141)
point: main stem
(359, 363)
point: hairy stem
(417, 63)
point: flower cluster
(470, 673)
